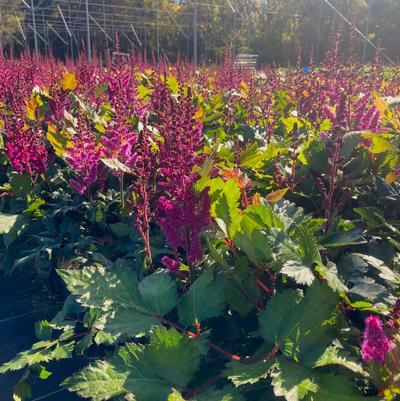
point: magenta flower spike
(376, 344)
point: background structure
(199, 30)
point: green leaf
(21, 184)
(227, 207)
(330, 274)
(240, 374)
(350, 142)
(300, 273)
(253, 241)
(40, 371)
(169, 361)
(346, 238)
(298, 323)
(227, 393)
(121, 230)
(173, 84)
(384, 272)
(22, 390)
(43, 330)
(251, 156)
(334, 388)
(174, 356)
(203, 300)
(14, 231)
(372, 216)
(7, 222)
(308, 246)
(293, 381)
(98, 287)
(159, 292)
(175, 396)
(40, 352)
(125, 323)
(100, 381)
(335, 355)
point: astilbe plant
(24, 145)
(84, 156)
(255, 285)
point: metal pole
(367, 31)
(319, 32)
(44, 32)
(158, 31)
(88, 44)
(234, 33)
(69, 32)
(195, 33)
(104, 22)
(34, 30)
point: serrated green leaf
(227, 207)
(335, 387)
(252, 240)
(335, 355)
(40, 352)
(330, 274)
(22, 390)
(227, 393)
(293, 381)
(300, 273)
(125, 323)
(43, 330)
(7, 221)
(240, 374)
(100, 381)
(384, 272)
(298, 323)
(159, 292)
(251, 156)
(308, 246)
(169, 361)
(203, 300)
(339, 239)
(98, 287)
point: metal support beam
(234, 28)
(195, 33)
(364, 56)
(39, 35)
(65, 22)
(136, 36)
(35, 34)
(20, 28)
(57, 34)
(101, 28)
(356, 30)
(88, 43)
(319, 31)
(158, 31)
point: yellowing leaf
(381, 105)
(31, 108)
(69, 82)
(379, 144)
(199, 113)
(390, 178)
(59, 141)
(99, 127)
(384, 84)
(244, 86)
(277, 195)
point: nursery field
(209, 235)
